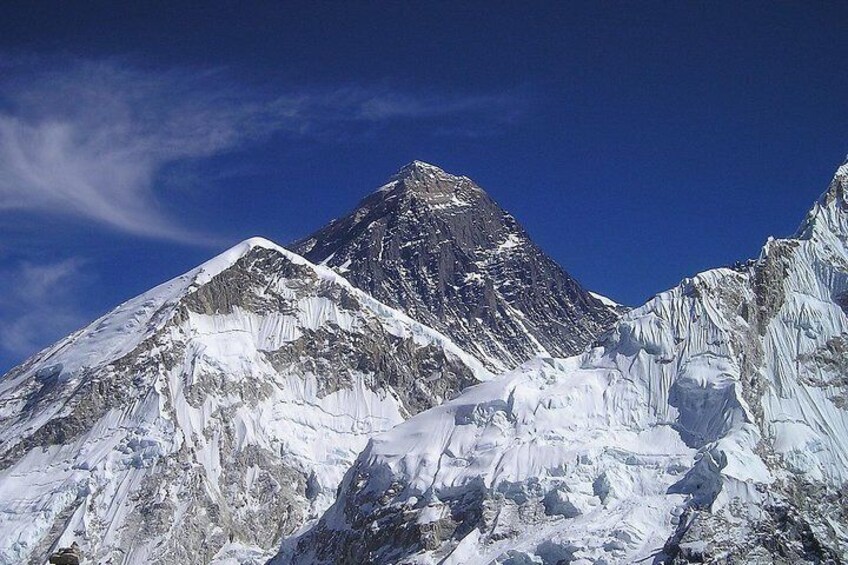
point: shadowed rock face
(439, 248)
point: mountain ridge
(223, 411)
(436, 246)
(709, 424)
(209, 416)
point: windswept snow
(709, 424)
(215, 418)
(210, 416)
(608, 302)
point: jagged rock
(709, 425)
(211, 416)
(66, 555)
(436, 246)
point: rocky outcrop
(708, 425)
(436, 246)
(66, 556)
(212, 416)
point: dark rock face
(420, 376)
(438, 247)
(66, 555)
(789, 530)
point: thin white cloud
(38, 304)
(90, 139)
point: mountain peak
(437, 247)
(430, 184)
(256, 375)
(421, 173)
(828, 218)
(228, 258)
(695, 417)
(419, 169)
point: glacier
(210, 417)
(262, 407)
(708, 425)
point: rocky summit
(710, 425)
(437, 247)
(214, 416)
(265, 407)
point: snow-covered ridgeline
(218, 411)
(709, 423)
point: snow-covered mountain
(210, 416)
(437, 247)
(710, 424)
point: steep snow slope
(709, 424)
(211, 415)
(436, 246)
(610, 303)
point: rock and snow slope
(709, 424)
(437, 247)
(211, 415)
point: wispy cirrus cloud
(37, 303)
(90, 139)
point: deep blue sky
(637, 144)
